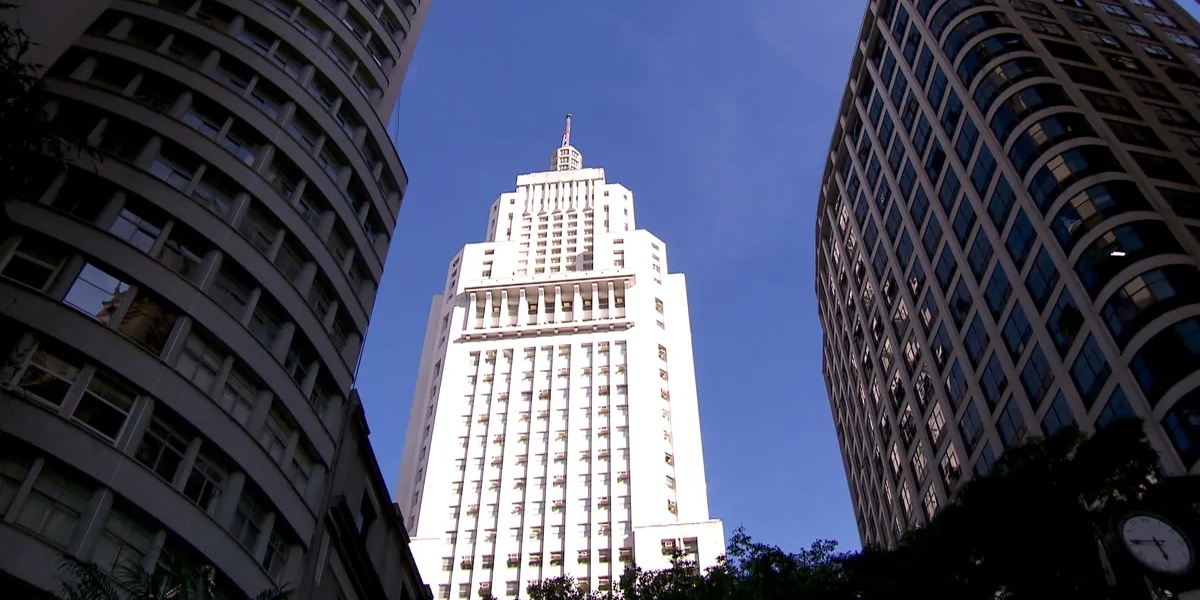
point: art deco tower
(554, 427)
(1007, 239)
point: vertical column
(504, 322)
(470, 324)
(576, 304)
(595, 301)
(541, 305)
(612, 300)
(487, 310)
(556, 304)
(522, 307)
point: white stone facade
(555, 427)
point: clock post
(1148, 557)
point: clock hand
(1159, 543)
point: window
(1116, 408)
(275, 557)
(172, 171)
(34, 263)
(1036, 377)
(1016, 332)
(1010, 424)
(1065, 321)
(183, 251)
(231, 292)
(1058, 416)
(105, 406)
(1020, 239)
(124, 542)
(239, 395)
(162, 449)
(997, 292)
(1090, 371)
(13, 471)
(276, 434)
(247, 522)
(49, 376)
(53, 507)
(96, 293)
(265, 323)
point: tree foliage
(175, 579)
(1026, 530)
(33, 145)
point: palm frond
(135, 581)
(275, 593)
(85, 581)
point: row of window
(126, 140)
(513, 588)
(148, 320)
(60, 500)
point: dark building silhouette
(1007, 240)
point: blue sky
(717, 115)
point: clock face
(1157, 544)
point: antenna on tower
(566, 141)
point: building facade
(1007, 240)
(365, 546)
(555, 428)
(183, 312)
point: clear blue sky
(717, 115)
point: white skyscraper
(555, 427)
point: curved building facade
(184, 312)
(1007, 240)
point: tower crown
(566, 157)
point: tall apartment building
(555, 427)
(184, 312)
(1007, 239)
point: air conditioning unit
(623, 476)
(473, 509)
(564, 372)
(604, 410)
(502, 395)
(604, 390)
(587, 370)
(603, 453)
(544, 395)
(560, 479)
(620, 368)
(487, 377)
(603, 369)
(603, 501)
(558, 504)
(603, 431)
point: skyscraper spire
(566, 157)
